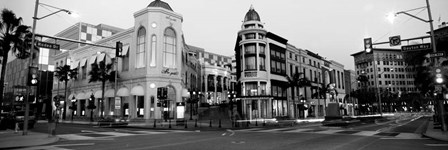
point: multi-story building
(386, 71)
(217, 77)
(154, 56)
(265, 61)
(17, 70)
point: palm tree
(12, 37)
(102, 73)
(297, 81)
(64, 73)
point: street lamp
(392, 16)
(35, 18)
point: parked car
(11, 118)
(3, 124)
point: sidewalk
(11, 139)
(437, 134)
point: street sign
(395, 40)
(47, 45)
(416, 47)
(437, 54)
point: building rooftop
(159, 3)
(251, 15)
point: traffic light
(368, 45)
(118, 49)
(91, 102)
(162, 93)
(439, 76)
(33, 76)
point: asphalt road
(396, 134)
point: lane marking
(436, 144)
(298, 130)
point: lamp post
(349, 92)
(35, 18)
(191, 104)
(377, 87)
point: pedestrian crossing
(102, 135)
(382, 135)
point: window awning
(137, 90)
(83, 62)
(88, 94)
(109, 93)
(123, 92)
(74, 65)
(100, 57)
(125, 50)
(70, 97)
(98, 94)
(92, 59)
(80, 96)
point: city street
(402, 133)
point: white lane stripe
(409, 136)
(328, 131)
(150, 132)
(251, 129)
(436, 144)
(116, 133)
(272, 130)
(74, 137)
(298, 130)
(366, 133)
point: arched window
(141, 45)
(169, 53)
(153, 51)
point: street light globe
(391, 17)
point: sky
(334, 29)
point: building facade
(154, 56)
(386, 71)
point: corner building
(261, 70)
(154, 55)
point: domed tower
(252, 69)
(157, 54)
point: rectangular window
(249, 49)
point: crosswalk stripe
(117, 133)
(366, 133)
(328, 131)
(298, 130)
(409, 136)
(74, 137)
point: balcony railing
(250, 74)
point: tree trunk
(294, 102)
(65, 102)
(2, 78)
(102, 99)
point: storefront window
(140, 106)
(83, 107)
